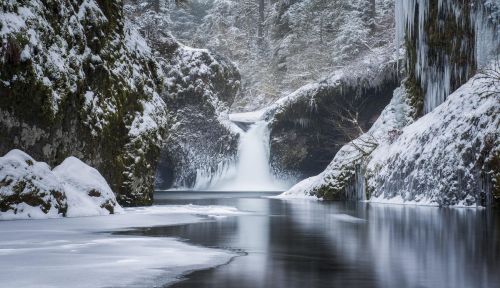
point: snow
(302, 189)
(73, 185)
(16, 160)
(80, 255)
(18, 167)
(25, 211)
(211, 210)
(248, 117)
(295, 196)
(430, 161)
(152, 119)
(79, 181)
(442, 148)
(11, 23)
(135, 42)
(395, 116)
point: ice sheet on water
(69, 252)
(185, 209)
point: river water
(306, 243)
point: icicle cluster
(434, 68)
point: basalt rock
(200, 87)
(311, 125)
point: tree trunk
(260, 32)
(321, 29)
(156, 5)
(373, 13)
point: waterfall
(251, 171)
(254, 172)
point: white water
(253, 172)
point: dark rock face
(308, 131)
(199, 88)
(77, 84)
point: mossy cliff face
(440, 52)
(76, 81)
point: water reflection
(315, 244)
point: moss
(26, 192)
(19, 81)
(18, 188)
(113, 10)
(442, 30)
(109, 205)
(5, 182)
(338, 190)
(494, 166)
(94, 193)
(416, 98)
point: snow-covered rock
(447, 157)
(338, 181)
(87, 192)
(450, 156)
(201, 87)
(30, 189)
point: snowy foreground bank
(81, 256)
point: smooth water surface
(305, 243)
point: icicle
(436, 79)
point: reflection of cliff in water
(324, 244)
